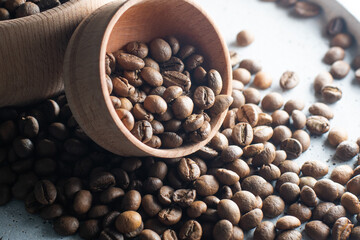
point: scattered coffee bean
(321, 80)
(289, 80)
(245, 38)
(317, 230)
(266, 230)
(242, 75)
(334, 54)
(342, 40)
(317, 125)
(252, 66)
(339, 69)
(306, 9)
(347, 150)
(272, 101)
(342, 174)
(66, 225)
(315, 169)
(331, 93)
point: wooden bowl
(32, 51)
(109, 29)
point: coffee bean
(342, 40)
(188, 170)
(128, 221)
(280, 133)
(242, 134)
(266, 230)
(214, 81)
(219, 142)
(289, 80)
(306, 9)
(251, 219)
(137, 48)
(45, 192)
(331, 93)
(272, 101)
(321, 109)
(52, 211)
(184, 197)
(142, 131)
(292, 147)
(191, 230)
(335, 26)
(196, 208)
(351, 203)
(82, 202)
(287, 177)
(342, 228)
(315, 169)
(23, 147)
(89, 229)
(169, 235)
(342, 174)
(242, 75)
(223, 229)
(248, 113)
(317, 230)
(222, 102)
(333, 214)
(280, 156)
(101, 181)
(334, 54)
(257, 185)
(269, 172)
(294, 104)
(165, 195)
(231, 153)
(186, 51)
(355, 233)
(129, 62)
(317, 125)
(287, 223)
(229, 210)
(206, 185)
(252, 66)
(299, 119)
(346, 150)
(226, 176)
(321, 80)
(253, 149)
(289, 166)
(264, 119)
(353, 185)
(244, 38)
(202, 133)
(326, 190)
(193, 61)
(300, 211)
(108, 234)
(170, 216)
(262, 80)
(339, 69)
(266, 156)
(308, 196)
(289, 192)
(174, 78)
(252, 95)
(66, 225)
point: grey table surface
(282, 42)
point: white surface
(282, 42)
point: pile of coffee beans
(236, 184)
(21, 8)
(162, 94)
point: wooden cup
(108, 29)
(32, 51)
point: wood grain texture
(110, 28)
(32, 50)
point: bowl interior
(144, 20)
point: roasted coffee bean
(280, 156)
(174, 78)
(251, 219)
(202, 133)
(137, 48)
(196, 208)
(252, 66)
(266, 156)
(186, 51)
(294, 104)
(308, 196)
(98, 211)
(252, 95)
(342, 40)
(150, 205)
(257, 185)
(262, 134)
(131, 201)
(339, 69)
(242, 134)
(219, 142)
(262, 80)
(272, 101)
(82, 202)
(306, 9)
(337, 135)
(248, 113)
(111, 194)
(289, 234)
(315, 169)
(214, 81)
(171, 140)
(242, 75)
(280, 133)
(190, 230)
(333, 214)
(287, 177)
(292, 147)
(184, 197)
(269, 172)
(45, 192)
(174, 44)
(317, 230)
(351, 203)
(222, 102)
(142, 131)
(321, 80)
(148, 234)
(204, 97)
(342, 174)
(229, 210)
(108, 234)
(334, 54)
(223, 229)
(347, 150)
(355, 233)
(307, 181)
(245, 200)
(244, 38)
(170, 216)
(300, 211)
(128, 221)
(101, 181)
(289, 80)
(342, 228)
(165, 195)
(335, 26)
(287, 223)
(182, 107)
(206, 185)
(317, 125)
(129, 62)
(321, 109)
(23, 147)
(226, 176)
(326, 190)
(289, 166)
(89, 229)
(321, 209)
(66, 225)
(289, 192)
(266, 230)
(160, 50)
(188, 169)
(331, 93)
(193, 61)
(239, 99)
(52, 211)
